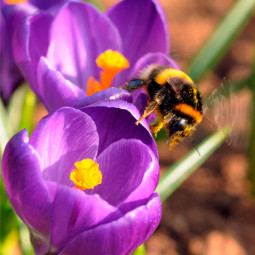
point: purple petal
(104, 95)
(143, 29)
(79, 34)
(10, 75)
(23, 183)
(10, 18)
(74, 212)
(122, 236)
(16, 13)
(62, 138)
(54, 90)
(124, 165)
(45, 4)
(116, 120)
(30, 42)
(150, 179)
(152, 59)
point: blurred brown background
(212, 213)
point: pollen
(111, 62)
(86, 175)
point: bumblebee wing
(228, 108)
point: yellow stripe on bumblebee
(190, 111)
(164, 76)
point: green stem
(216, 47)
(28, 110)
(140, 250)
(181, 170)
(4, 134)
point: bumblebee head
(178, 129)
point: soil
(212, 213)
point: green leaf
(222, 38)
(96, 3)
(140, 250)
(14, 109)
(24, 237)
(4, 133)
(182, 169)
(8, 218)
(27, 116)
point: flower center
(112, 62)
(86, 175)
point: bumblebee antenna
(211, 122)
(194, 145)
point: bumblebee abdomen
(188, 112)
(191, 96)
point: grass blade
(4, 134)
(140, 250)
(222, 38)
(27, 116)
(181, 170)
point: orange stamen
(112, 62)
(15, 1)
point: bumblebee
(174, 99)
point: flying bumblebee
(174, 99)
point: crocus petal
(113, 116)
(126, 161)
(23, 183)
(150, 179)
(16, 13)
(104, 95)
(30, 42)
(45, 4)
(147, 26)
(74, 212)
(10, 75)
(54, 90)
(147, 30)
(79, 34)
(74, 135)
(121, 236)
(10, 18)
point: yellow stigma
(15, 1)
(111, 62)
(86, 175)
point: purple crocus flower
(57, 53)
(114, 217)
(11, 16)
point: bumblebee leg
(148, 110)
(152, 105)
(155, 128)
(134, 84)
